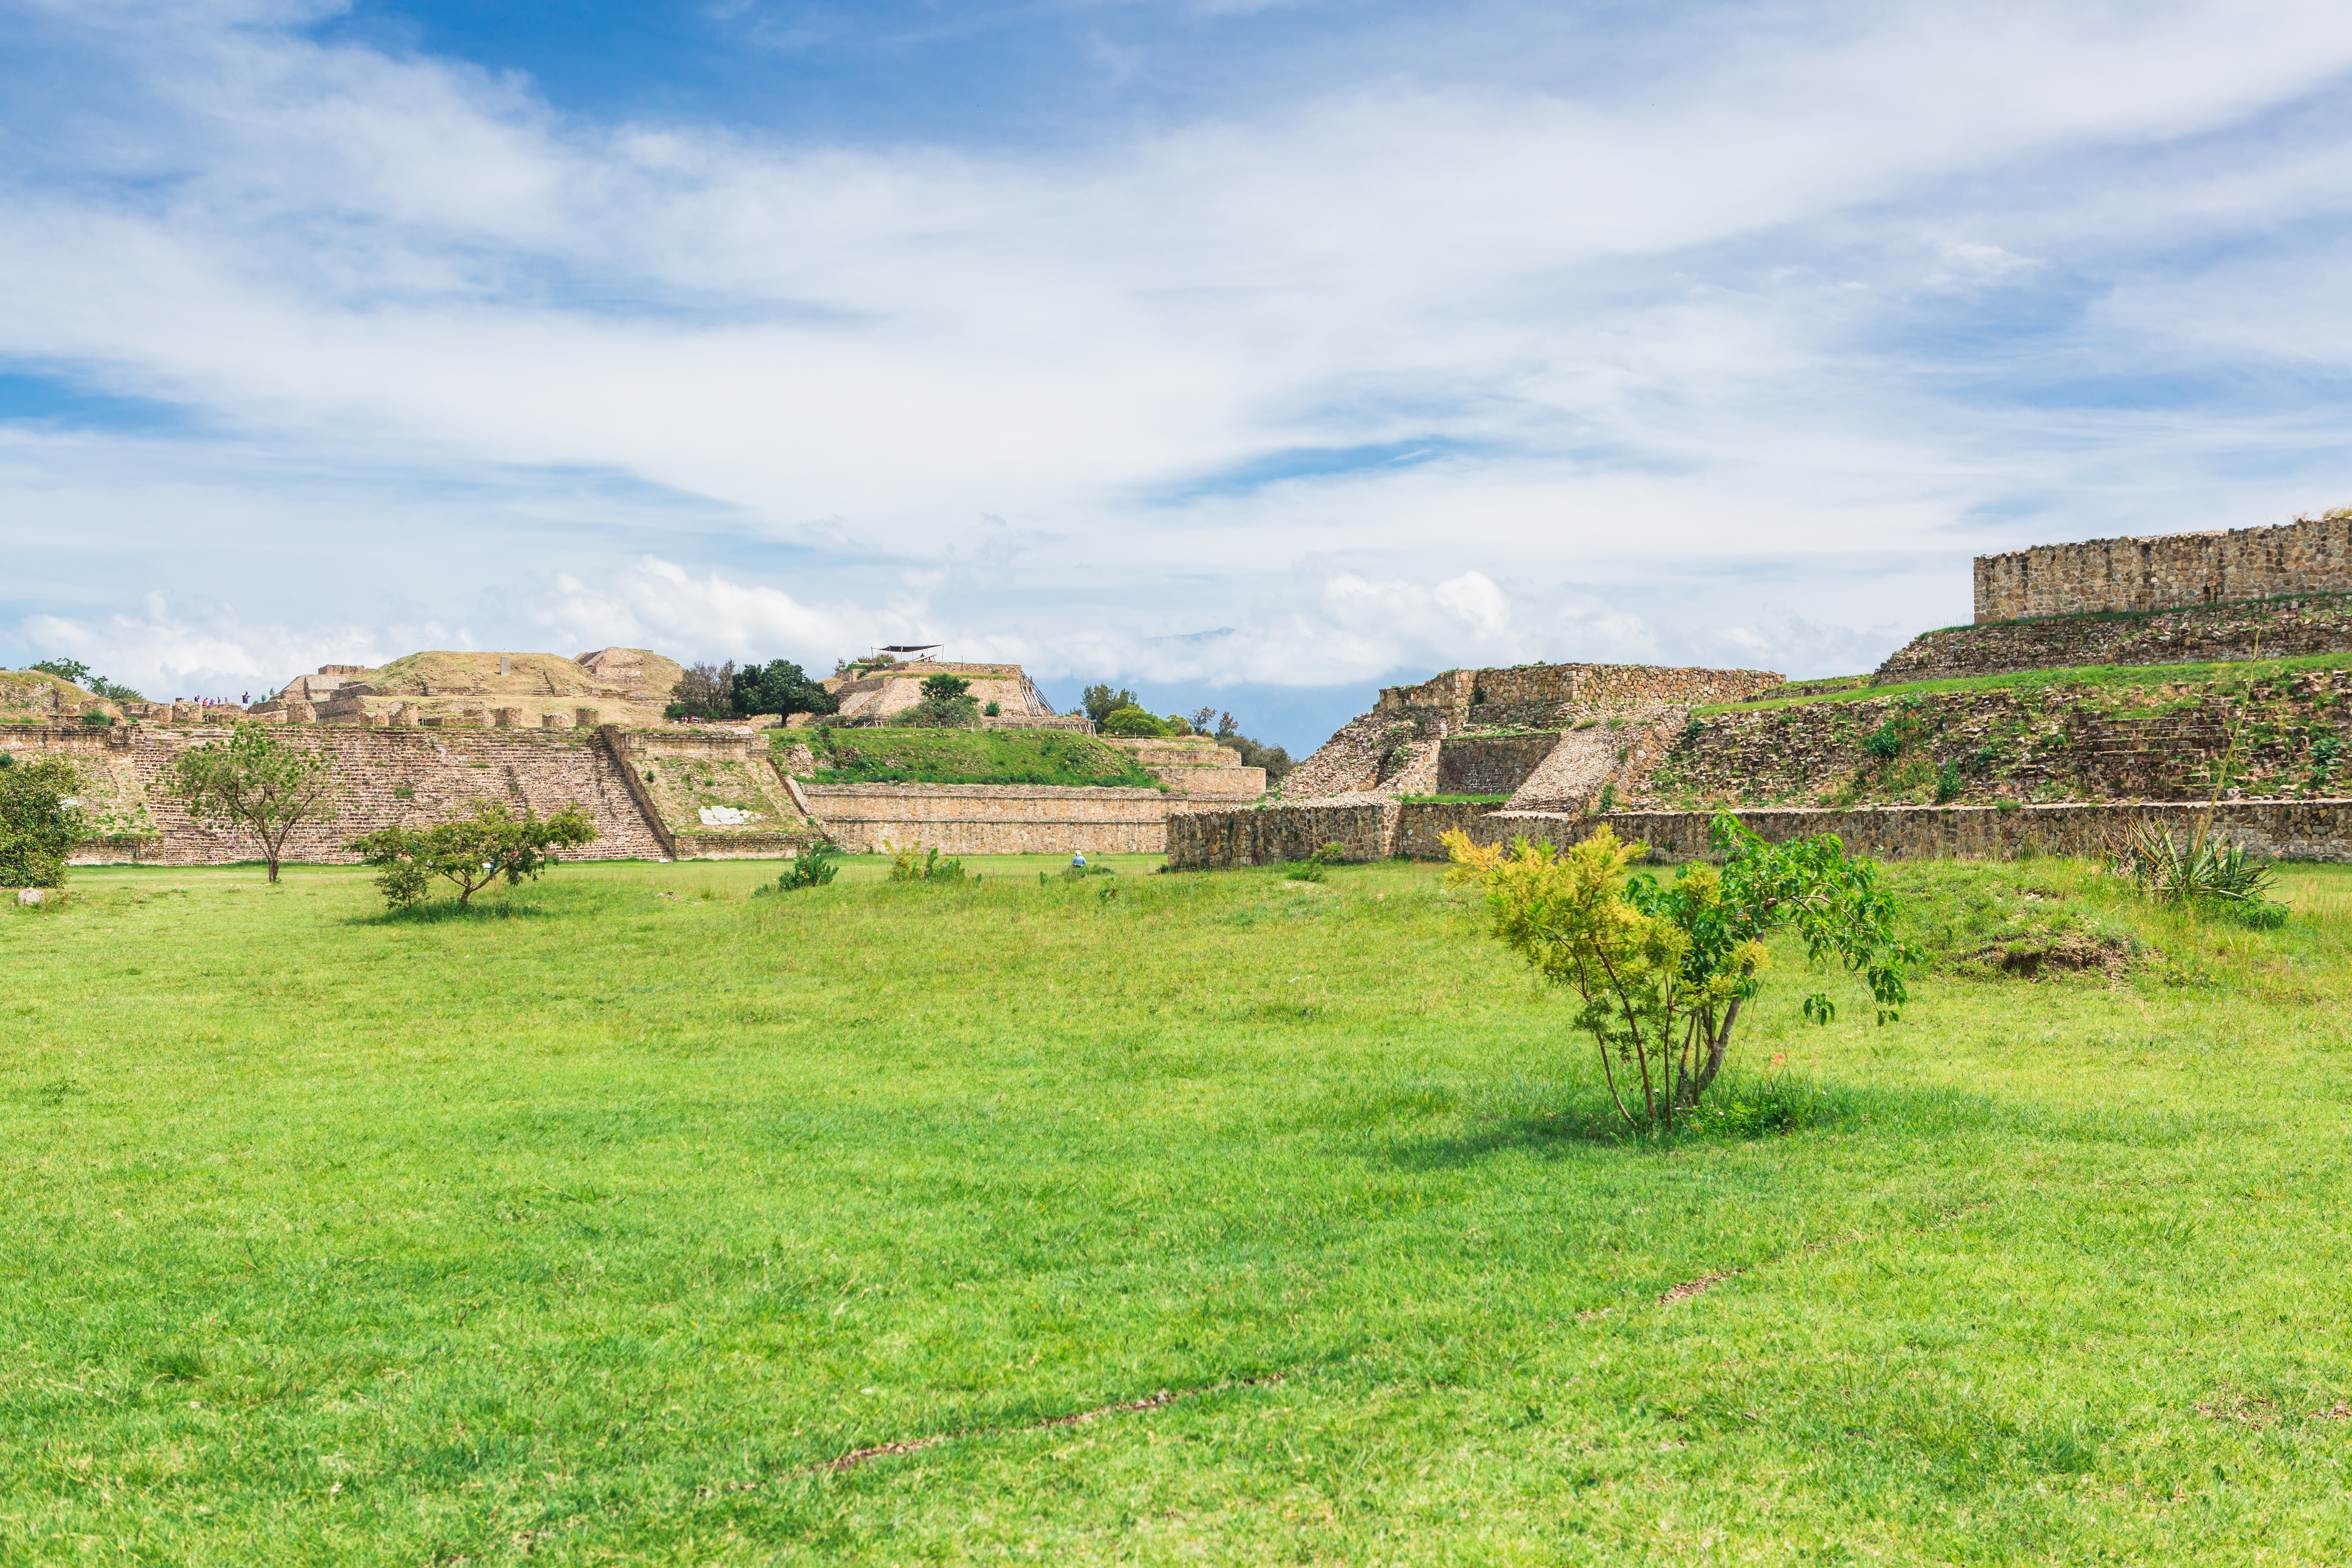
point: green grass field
(2121, 683)
(595, 1226)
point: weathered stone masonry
(1371, 828)
(391, 778)
(993, 819)
(2310, 555)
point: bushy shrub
(994, 710)
(813, 868)
(39, 825)
(914, 863)
(937, 713)
(1134, 725)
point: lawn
(598, 1225)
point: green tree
(704, 692)
(72, 669)
(779, 687)
(1663, 969)
(470, 853)
(259, 782)
(1133, 724)
(1100, 702)
(946, 704)
(40, 821)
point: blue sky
(1389, 337)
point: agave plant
(2199, 868)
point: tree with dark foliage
(779, 687)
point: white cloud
(427, 328)
(210, 651)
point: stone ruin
(452, 689)
(2172, 571)
(871, 694)
(423, 736)
(1550, 737)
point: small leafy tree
(779, 686)
(259, 782)
(470, 853)
(1100, 702)
(39, 821)
(1662, 970)
(72, 669)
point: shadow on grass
(434, 911)
(1748, 1109)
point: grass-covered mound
(2127, 733)
(601, 1222)
(2125, 687)
(888, 756)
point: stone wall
(1373, 828)
(1490, 764)
(1194, 765)
(391, 778)
(2309, 555)
(2286, 830)
(1362, 826)
(992, 819)
(1595, 686)
(2271, 628)
(1418, 823)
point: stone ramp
(1588, 761)
(1346, 764)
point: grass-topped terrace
(329, 1241)
(885, 755)
(2218, 675)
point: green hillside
(888, 755)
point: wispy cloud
(1736, 350)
